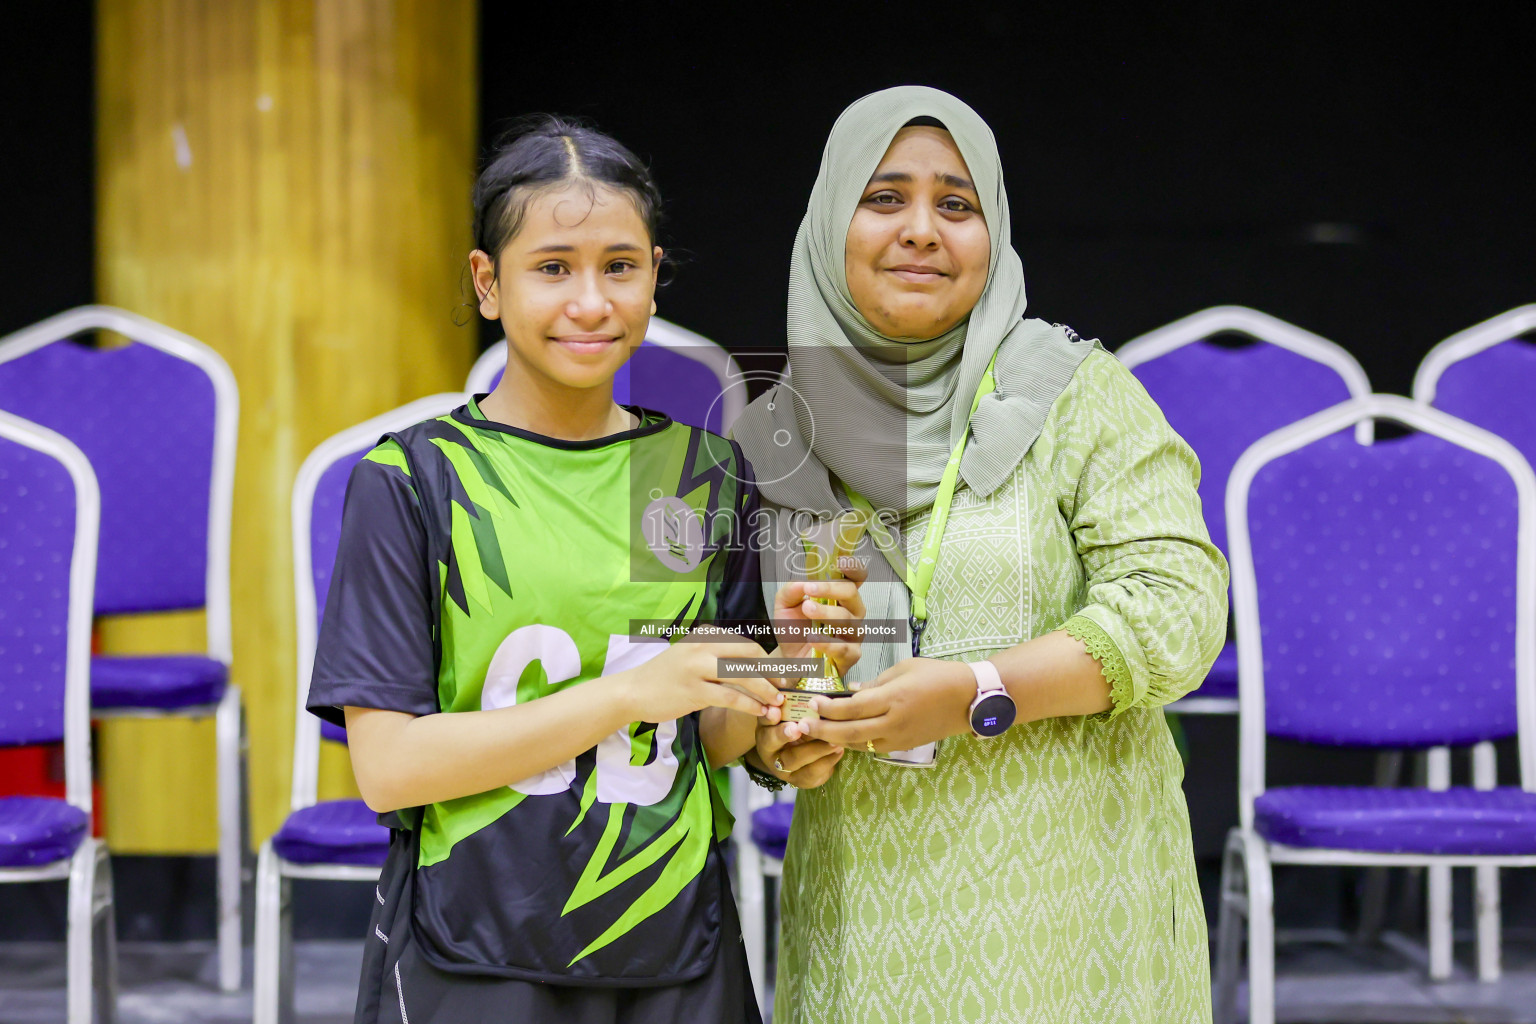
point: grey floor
(1331, 982)
(1321, 982)
(176, 984)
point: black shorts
(400, 986)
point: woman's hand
(796, 604)
(914, 702)
(783, 752)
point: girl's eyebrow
(615, 247)
(902, 177)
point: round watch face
(993, 715)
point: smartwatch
(993, 711)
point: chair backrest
(1221, 398)
(1486, 375)
(683, 374)
(1384, 594)
(319, 490)
(157, 419)
(49, 517)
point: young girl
(556, 853)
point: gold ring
(869, 745)
(778, 764)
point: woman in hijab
(1043, 535)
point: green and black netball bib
(545, 557)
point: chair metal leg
(1229, 942)
(1373, 904)
(750, 903)
(1438, 895)
(754, 919)
(273, 986)
(80, 958)
(227, 727)
(1485, 775)
(1261, 931)
(104, 939)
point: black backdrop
(47, 163)
(1363, 174)
(1365, 177)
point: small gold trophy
(847, 530)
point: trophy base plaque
(799, 706)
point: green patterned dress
(1046, 876)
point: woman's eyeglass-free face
(918, 249)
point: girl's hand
(785, 754)
(796, 603)
(914, 702)
(686, 678)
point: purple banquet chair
(1221, 399)
(1486, 375)
(49, 516)
(683, 374)
(157, 419)
(339, 840)
(1385, 596)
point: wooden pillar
(288, 181)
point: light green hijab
(880, 415)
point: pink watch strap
(987, 677)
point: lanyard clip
(918, 626)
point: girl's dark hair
(546, 151)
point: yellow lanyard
(919, 579)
